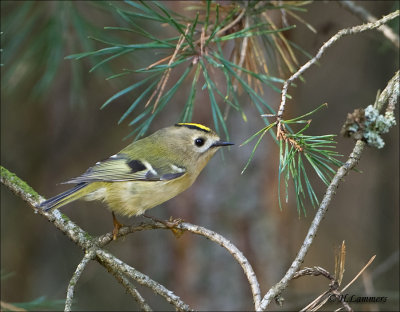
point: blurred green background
(52, 130)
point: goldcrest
(147, 172)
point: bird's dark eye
(199, 142)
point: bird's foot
(171, 224)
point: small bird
(146, 173)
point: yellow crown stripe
(194, 126)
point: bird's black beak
(221, 143)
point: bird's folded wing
(120, 167)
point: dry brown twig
(335, 281)
(322, 299)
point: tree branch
(196, 229)
(75, 277)
(391, 95)
(114, 264)
(235, 252)
(343, 170)
(84, 241)
(131, 290)
(365, 16)
(321, 51)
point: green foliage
(198, 47)
(224, 48)
(294, 148)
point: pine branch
(391, 95)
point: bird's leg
(117, 226)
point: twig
(79, 236)
(365, 16)
(390, 94)
(114, 264)
(234, 251)
(211, 235)
(131, 290)
(318, 303)
(60, 221)
(342, 301)
(75, 277)
(342, 171)
(321, 51)
(314, 271)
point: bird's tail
(64, 198)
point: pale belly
(134, 198)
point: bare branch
(342, 301)
(131, 290)
(114, 264)
(314, 271)
(234, 251)
(365, 16)
(82, 238)
(325, 46)
(390, 94)
(342, 171)
(75, 277)
(211, 235)
(322, 299)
